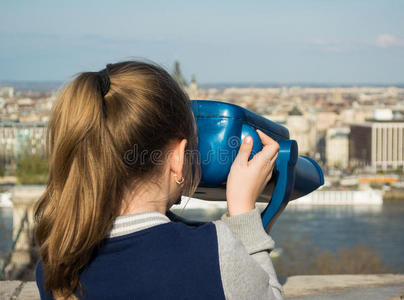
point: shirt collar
(131, 223)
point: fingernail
(248, 140)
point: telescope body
(221, 129)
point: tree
(32, 169)
(2, 166)
(295, 112)
(2, 170)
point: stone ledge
(318, 286)
(15, 290)
(298, 286)
(8, 288)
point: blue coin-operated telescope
(221, 129)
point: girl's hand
(247, 179)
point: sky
(306, 41)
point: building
(7, 91)
(18, 138)
(192, 89)
(377, 144)
(177, 75)
(337, 147)
(302, 129)
(325, 120)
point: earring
(178, 181)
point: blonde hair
(89, 137)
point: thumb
(244, 151)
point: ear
(177, 156)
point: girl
(122, 148)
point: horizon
(46, 85)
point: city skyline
(349, 42)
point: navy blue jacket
(167, 261)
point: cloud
(388, 40)
(337, 46)
(385, 40)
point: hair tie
(104, 81)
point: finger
(274, 158)
(269, 176)
(270, 148)
(244, 151)
(265, 139)
(272, 162)
(265, 157)
(272, 166)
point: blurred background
(332, 72)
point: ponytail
(83, 177)
(89, 134)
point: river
(325, 227)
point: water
(332, 227)
(326, 227)
(6, 230)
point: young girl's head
(111, 133)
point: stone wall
(344, 287)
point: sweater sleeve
(246, 268)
